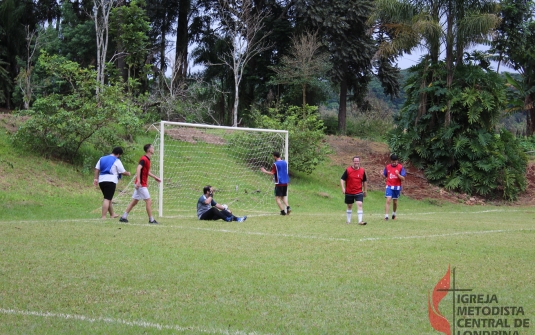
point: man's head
(356, 162)
(117, 151)
(276, 154)
(207, 189)
(148, 147)
(394, 159)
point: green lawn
(64, 271)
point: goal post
(190, 156)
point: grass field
(63, 271)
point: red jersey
(145, 168)
(392, 180)
(354, 180)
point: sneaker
(123, 220)
(153, 222)
(242, 219)
(288, 210)
(362, 223)
(393, 217)
(229, 219)
(283, 213)
(386, 218)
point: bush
(307, 146)
(61, 124)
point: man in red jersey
(394, 174)
(142, 180)
(354, 186)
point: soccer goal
(190, 156)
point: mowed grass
(64, 271)
(308, 273)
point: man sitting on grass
(208, 209)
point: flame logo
(437, 320)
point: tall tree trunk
(530, 124)
(449, 58)
(121, 63)
(304, 95)
(182, 39)
(342, 111)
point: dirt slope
(374, 156)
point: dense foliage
(60, 124)
(466, 154)
(307, 147)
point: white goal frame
(204, 126)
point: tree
(242, 27)
(305, 65)
(462, 25)
(514, 45)
(60, 124)
(129, 27)
(466, 155)
(24, 79)
(101, 16)
(344, 29)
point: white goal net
(190, 156)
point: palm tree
(449, 25)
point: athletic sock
(386, 216)
(125, 215)
(360, 215)
(348, 213)
(393, 213)
(151, 218)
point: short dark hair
(117, 151)
(355, 157)
(206, 189)
(277, 154)
(147, 146)
(393, 157)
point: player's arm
(138, 175)
(401, 175)
(266, 171)
(343, 181)
(155, 177)
(95, 181)
(365, 184)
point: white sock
(151, 219)
(349, 212)
(386, 216)
(360, 216)
(393, 213)
(125, 215)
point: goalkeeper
(208, 209)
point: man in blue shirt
(279, 171)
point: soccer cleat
(393, 217)
(229, 219)
(386, 218)
(153, 222)
(288, 210)
(123, 220)
(362, 223)
(283, 213)
(242, 219)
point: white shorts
(141, 193)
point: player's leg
(349, 200)
(360, 211)
(279, 199)
(394, 208)
(388, 196)
(105, 208)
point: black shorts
(351, 198)
(281, 191)
(108, 189)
